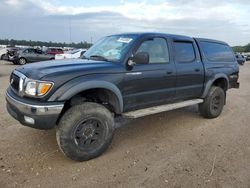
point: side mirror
(139, 58)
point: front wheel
(213, 103)
(85, 131)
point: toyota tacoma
(121, 76)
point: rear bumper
(35, 115)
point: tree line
(241, 49)
(13, 42)
(84, 44)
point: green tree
(12, 42)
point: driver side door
(153, 83)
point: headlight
(37, 88)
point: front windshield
(111, 48)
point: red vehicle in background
(54, 51)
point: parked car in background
(8, 53)
(30, 55)
(54, 51)
(3, 53)
(240, 59)
(71, 54)
(248, 58)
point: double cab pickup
(121, 76)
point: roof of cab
(174, 36)
(210, 40)
(155, 33)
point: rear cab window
(217, 52)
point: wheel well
(222, 83)
(98, 95)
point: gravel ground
(172, 149)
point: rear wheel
(213, 104)
(85, 131)
(22, 61)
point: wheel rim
(22, 61)
(89, 133)
(216, 103)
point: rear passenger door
(190, 70)
(29, 55)
(41, 56)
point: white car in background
(3, 51)
(71, 54)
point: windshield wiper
(98, 57)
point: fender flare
(62, 95)
(209, 84)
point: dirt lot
(172, 149)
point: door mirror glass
(139, 58)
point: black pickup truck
(121, 76)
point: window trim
(152, 38)
(183, 41)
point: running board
(161, 108)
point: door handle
(169, 72)
(197, 70)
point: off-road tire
(71, 145)
(213, 103)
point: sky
(89, 20)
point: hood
(69, 68)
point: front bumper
(13, 58)
(35, 115)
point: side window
(184, 52)
(60, 50)
(217, 52)
(39, 51)
(157, 49)
(31, 51)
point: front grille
(14, 82)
